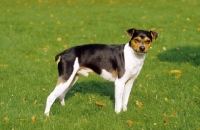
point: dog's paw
(62, 102)
(117, 111)
(124, 108)
(46, 113)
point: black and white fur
(120, 64)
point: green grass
(33, 32)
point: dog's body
(120, 64)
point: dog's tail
(58, 57)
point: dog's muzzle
(142, 48)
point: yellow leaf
(3, 65)
(165, 120)
(51, 15)
(129, 122)
(22, 119)
(166, 99)
(46, 48)
(59, 39)
(40, 105)
(144, 17)
(33, 119)
(153, 29)
(188, 19)
(24, 99)
(100, 104)
(6, 119)
(65, 47)
(85, 120)
(178, 73)
(173, 113)
(35, 102)
(44, 89)
(91, 40)
(139, 104)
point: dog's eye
(147, 42)
(136, 40)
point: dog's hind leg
(61, 88)
(62, 96)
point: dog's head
(141, 40)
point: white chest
(133, 61)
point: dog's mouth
(141, 50)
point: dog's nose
(142, 48)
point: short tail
(57, 58)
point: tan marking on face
(137, 42)
(147, 44)
(58, 60)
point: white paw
(62, 102)
(117, 110)
(124, 108)
(46, 113)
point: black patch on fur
(93, 56)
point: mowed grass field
(166, 94)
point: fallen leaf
(144, 17)
(91, 41)
(33, 119)
(100, 104)
(178, 73)
(188, 19)
(85, 120)
(65, 47)
(1, 104)
(165, 120)
(139, 104)
(44, 89)
(166, 99)
(129, 122)
(153, 29)
(35, 102)
(6, 119)
(164, 48)
(22, 119)
(51, 15)
(40, 105)
(173, 113)
(3, 65)
(24, 99)
(59, 39)
(46, 48)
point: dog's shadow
(185, 54)
(104, 88)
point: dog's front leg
(119, 88)
(126, 93)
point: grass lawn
(167, 89)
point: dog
(120, 64)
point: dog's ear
(130, 32)
(154, 35)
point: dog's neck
(133, 58)
(137, 55)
